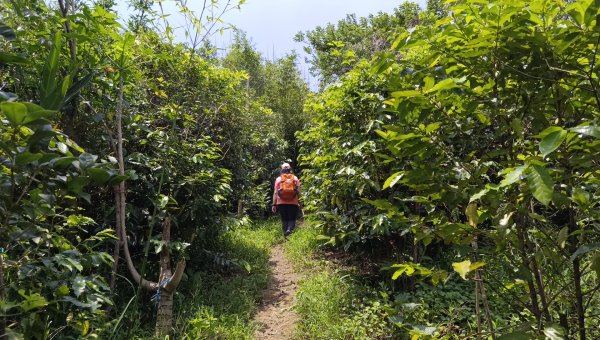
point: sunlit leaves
(513, 176)
(465, 267)
(587, 130)
(552, 138)
(31, 301)
(393, 179)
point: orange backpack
(287, 188)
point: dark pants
(288, 214)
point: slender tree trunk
(164, 314)
(535, 308)
(240, 207)
(168, 283)
(2, 319)
(117, 250)
(486, 305)
(577, 278)
(541, 289)
(120, 188)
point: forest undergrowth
(220, 303)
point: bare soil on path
(276, 314)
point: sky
(272, 24)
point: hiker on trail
(285, 198)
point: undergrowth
(220, 303)
(332, 302)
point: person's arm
(274, 201)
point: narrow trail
(276, 314)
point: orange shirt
(278, 200)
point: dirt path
(276, 313)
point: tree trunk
(577, 277)
(120, 188)
(2, 318)
(535, 307)
(167, 284)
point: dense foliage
(197, 146)
(473, 141)
(452, 152)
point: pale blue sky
(272, 24)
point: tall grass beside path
(221, 304)
(332, 302)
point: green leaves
(7, 32)
(103, 177)
(540, 184)
(393, 179)
(584, 249)
(23, 113)
(50, 91)
(552, 138)
(513, 176)
(31, 301)
(588, 130)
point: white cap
(285, 166)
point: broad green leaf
(7, 32)
(66, 83)
(513, 176)
(577, 12)
(77, 87)
(86, 160)
(465, 267)
(7, 58)
(408, 93)
(16, 113)
(462, 268)
(27, 157)
(62, 162)
(478, 195)
(78, 303)
(78, 285)
(445, 84)
(540, 184)
(432, 127)
(99, 175)
(554, 332)
(116, 179)
(563, 236)
(393, 179)
(76, 184)
(584, 249)
(32, 301)
(472, 215)
(587, 130)
(580, 197)
(552, 141)
(50, 91)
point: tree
(481, 131)
(336, 48)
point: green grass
(221, 305)
(331, 302)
